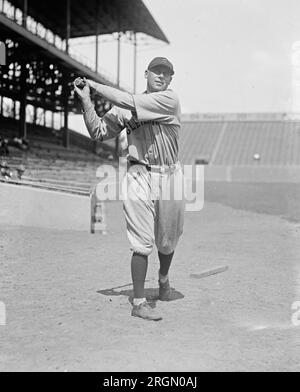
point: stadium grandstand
(36, 98)
(36, 92)
(241, 143)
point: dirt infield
(63, 313)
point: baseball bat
(209, 272)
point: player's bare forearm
(117, 97)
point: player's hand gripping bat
(80, 82)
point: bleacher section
(50, 165)
(77, 174)
(228, 147)
(50, 142)
(234, 143)
(198, 139)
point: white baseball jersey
(152, 129)
(152, 132)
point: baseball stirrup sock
(139, 264)
(165, 262)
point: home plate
(209, 272)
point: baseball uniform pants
(153, 205)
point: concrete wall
(266, 174)
(26, 206)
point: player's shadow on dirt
(151, 294)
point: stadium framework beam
(36, 43)
(114, 16)
(29, 52)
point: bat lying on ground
(213, 271)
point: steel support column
(25, 12)
(134, 61)
(23, 98)
(118, 85)
(65, 92)
(97, 54)
(119, 60)
(97, 38)
(68, 24)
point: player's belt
(157, 168)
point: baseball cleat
(164, 290)
(145, 312)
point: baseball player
(152, 120)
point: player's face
(158, 78)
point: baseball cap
(161, 61)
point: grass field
(64, 312)
(271, 198)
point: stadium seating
(235, 143)
(218, 143)
(198, 139)
(48, 164)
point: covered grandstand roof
(113, 16)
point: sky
(228, 55)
